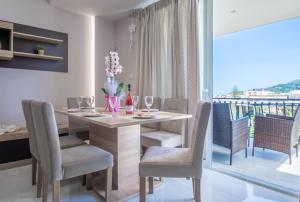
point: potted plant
(40, 49)
(112, 89)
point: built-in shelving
(37, 38)
(37, 56)
(6, 40)
(6, 55)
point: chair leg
(197, 190)
(88, 182)
(39, 182)
(230, 157)
(45, 187)
(34, 168)
(108, 187)
(297, 150)
(83, 180)
(290, 158)
(142, 189)
(253, 151)
(193, 182)
(150, 185)
(56, 191)
(246, 152)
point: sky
(257, 58)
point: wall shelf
(6, 55)
(6, 40)
(37, 56)
(37, 38)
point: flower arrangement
(112, 64)
(111, 86)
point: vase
(111, 85)
(116, 102)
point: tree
(236, 93)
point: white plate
(73, 110)
(144, 116)
(151, 110)
(91, 114)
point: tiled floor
(15, 187)
(267, 165)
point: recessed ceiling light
(233, 11)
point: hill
(285, 88)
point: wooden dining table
(119, 134)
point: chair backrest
(198, 135)
(222, 124)
(156, 105)
(295, 128)
(176, 106)
(26, 105)
(75, 124)
(47, 139)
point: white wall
(127, 58)
(17, 84)
(105, 41)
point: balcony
(266, 166)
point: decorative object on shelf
(7, 128)
(111, 87)
(40, 49)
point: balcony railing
(260, 106)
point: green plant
(121, 88)
(39, 47)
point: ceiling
(108, 9)
(235, 15)
(229, 15)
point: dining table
(119, 134)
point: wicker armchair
(278, 133)
(229, 133)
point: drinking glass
(135, 102)
(90, 101)
(148, 102)
(113, 102)
(79, 101)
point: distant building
(294, 94)
(261, 93)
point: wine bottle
(129, 102)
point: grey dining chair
(63, 164)
(77, 127)
(65, 142)
(177, 162)
(150, 127)
(171, 133)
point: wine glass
(135, 102)
(79, 101)
(90, 101)
(148, 102)
(113, 102)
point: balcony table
(120, 135)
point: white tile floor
(15, 187)
(266, 165)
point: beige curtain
(168, 51)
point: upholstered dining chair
(171, 133)
(77, 127)
(177, 162)
(63, 164)
(65, 142)
(150, 127)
